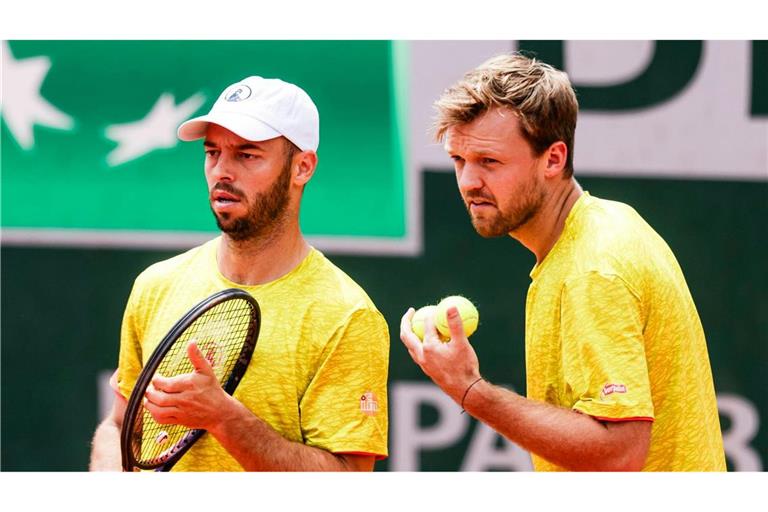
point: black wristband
(465, 394)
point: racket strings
(220, 334)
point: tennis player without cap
(314, 396)
(617, 370)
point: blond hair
(540, 95)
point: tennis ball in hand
(417, 320)
(467, 311)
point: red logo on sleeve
(613, 388)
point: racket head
(225, 327)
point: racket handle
(179, 450)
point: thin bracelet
(465, 394)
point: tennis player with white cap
(259, 109)
(306, 401)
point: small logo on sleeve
(610, 388)
(368, 404)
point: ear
(304, 165)
(555, 156)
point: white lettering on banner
(597, 63)
(745, 423)
(483, 453)
(704, 131)
(408, 437)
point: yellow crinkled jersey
(612, 332)
(318, 375)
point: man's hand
(453, 366)
(194, 399)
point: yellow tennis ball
(417, 320)
(468, 312)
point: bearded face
(264, 210)
(494, 216)
(499, 175)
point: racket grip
(177, 451)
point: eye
(248, 156)
(489, 161)
(456, 158)
(212, 152)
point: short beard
(504, 223)
(266, 213)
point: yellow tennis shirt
(318, 375)
(612, 332)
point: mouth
(479, 204)
(222, 200)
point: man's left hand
(453, 366)
(194, 399)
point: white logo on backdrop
(705, 131)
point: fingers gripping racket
(225, 327)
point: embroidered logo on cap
(368, 404)
(613, 388)
(237, 92)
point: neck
(541, 233)
(259, 261)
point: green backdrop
(357, 190)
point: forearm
(567, 438)
(105, 449)
(258, 447)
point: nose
(221, 169)
(469, 178)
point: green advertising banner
(89, 136)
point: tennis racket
(225, 327)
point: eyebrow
(477, 152)
(247, 145)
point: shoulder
(165, 272)
(334, 299)
(609, 235)
(610, 238)
(336, 285)
(602, 219)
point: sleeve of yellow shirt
(130, 356)
(344, 409)
(603, 350)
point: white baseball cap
(257, 109)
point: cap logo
(237, 92)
